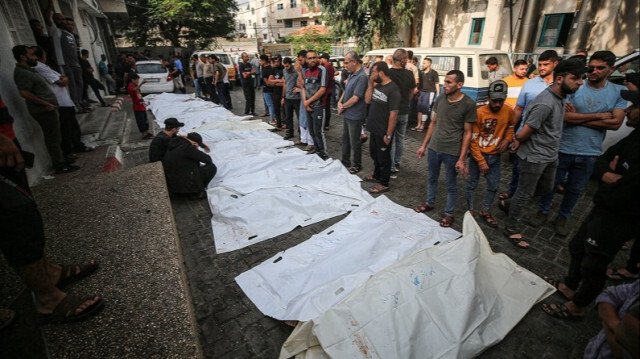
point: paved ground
(232, 327)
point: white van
(225, 59)
(469, 60)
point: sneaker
(538, 219)
(561, 226)
(67, 169)
(393, 176)
(394, 170)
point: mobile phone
(29, 158)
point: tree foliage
(374, 23)
(181, 22)
(311, 40)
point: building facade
(273, 20)
(528, 26)
(95, 35)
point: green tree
(311, 39)
(374, 23)
(180, 21)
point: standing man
(255, 62)
(429, 87)
(207, 74)
(595, 108)
(55, 23)
(139, 109)
(305, 134)
(267, 89)
(276, 79)
(325, 60)
(537, 144)
(515, 81)
(45, 42)
(176, 75)
(88, 80)
(405, 81)
(219, 72)
(247, 70)
(612, 221)
(290, 97)
(41, 103)
(448, 138)
(353, 108)
(496, 72)
(199, 84)
(105, 75)
(547, 61)
(492, 133)
(71, 67)
(315, 86)
(384, 97)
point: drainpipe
(529, 27)
(581, 29)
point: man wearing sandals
(448, 138)
(384, 97)
(612, 221)
(491, 135)
(538, 141)
(22, 241)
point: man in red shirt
(331, 71)
(139, 111)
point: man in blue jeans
(267, 91)
(595, 108)
(491, 135)
(448, 137)
(406, 83)
(351, 105)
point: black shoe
(287, 138)
(67, 169)
(323, 156)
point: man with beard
(491, 135)
(305, 135)
(595, 108)
(315, 86)
(384, 97)
(612, 221)
(353, 108)
(290, 97)
(246, 70)
(41, 103)
(537, 144)
(406, 83)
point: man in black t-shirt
(406, 83)
(384, 97)
(246, 70)
(267, 89)
(277, 80)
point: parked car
(225, 59)
(630, 63)
(336, 61)
(157, 76)
(469, 60)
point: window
(264, 36)
(288, 23)
(279, 21)
(249, 22)
(280, 6)
(253, 11)
(279, 36)
(151, 68)
(477, 25)
(503, 61)
(303, 23)
(317, 22)
(242, 27)
(264, 20)
(470, 67)
(444, 64)
(293, 3)
(555, 30)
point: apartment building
(273, 20)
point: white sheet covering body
(449, 301)
(264, 186)
(304, 281)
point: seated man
(159, 144)
(182, 167)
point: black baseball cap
(571, 66)
(195, 137)
(172, 123)
(498, 90)
(633, 96)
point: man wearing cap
(595, 108)
(331, 72)
(492, 133)
(160, 143)
(612, 221)
(182, 167)
(537, 144)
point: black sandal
(74, 272)
(65, 311)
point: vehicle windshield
(224, 59)
(150, 69)
(337, 63)
(503, 61)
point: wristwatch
(388, 137)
